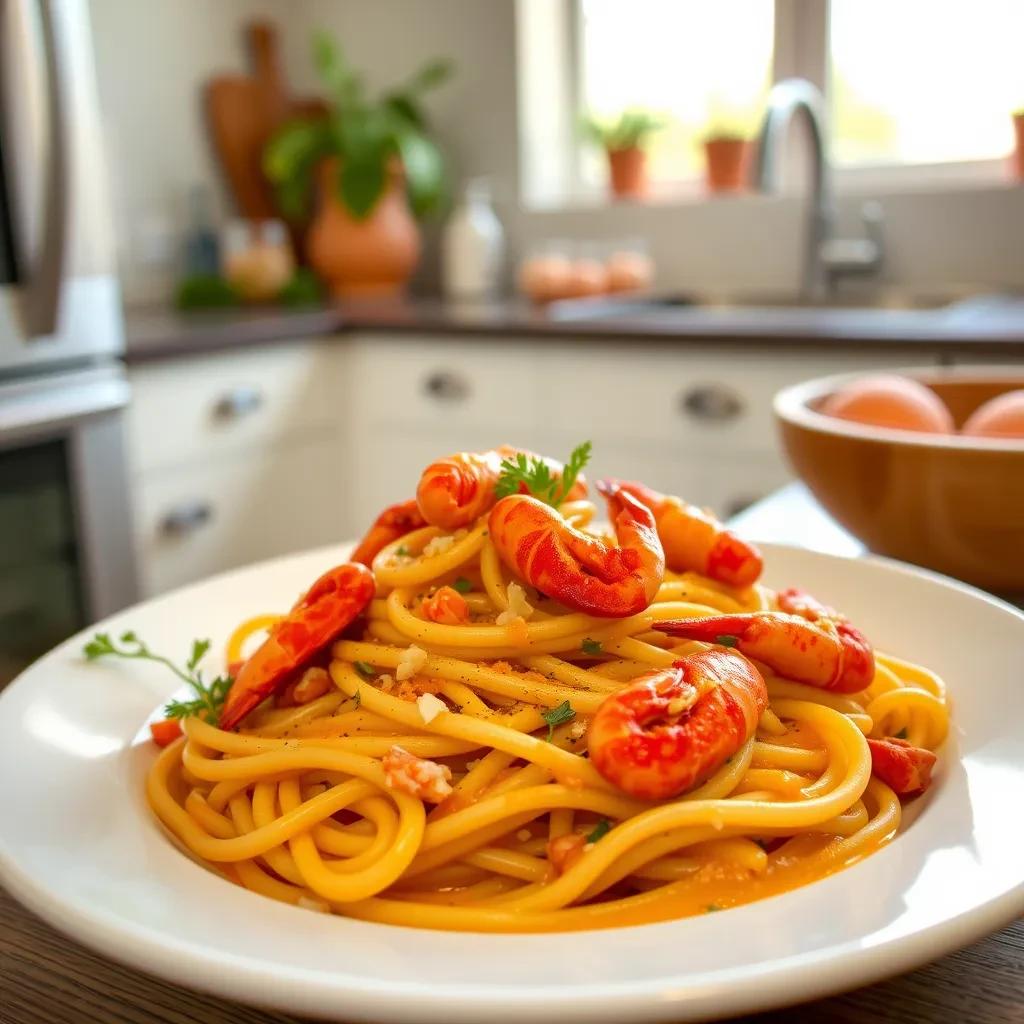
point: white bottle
(473, 245)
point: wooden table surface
(46, 978)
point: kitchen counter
(990, 325)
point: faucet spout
(822, 264)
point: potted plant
(375, 169)
(1018, 128)
(624, 141)
(727, 153)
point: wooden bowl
(950, 503)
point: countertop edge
(164, 335)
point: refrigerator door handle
(33, 47)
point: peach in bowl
(949, 501)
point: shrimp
(457, 490)
(394, 522)
(334, 601)
(578, 570)
(816, 645)
(669, 730)
(694, 539)
(905, 769)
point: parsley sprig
(558, 716)
(208, 700)
(535, 475)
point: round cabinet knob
(238, 402)
(186, 518)
(716, 403)
(446, 386)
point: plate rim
(779, 982)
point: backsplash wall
(158, 146)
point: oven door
(65, 531)
(59, 300)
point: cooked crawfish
(458, 489)
(576, 569)
(394, 522)
(905, 769)
(334, 601)
(669, 730)
(694, 540)
(807, 641)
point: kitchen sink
(965, 299)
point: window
(701, 64)
(916, 88)
(924, 81)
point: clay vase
(1018, 154)
(369, 258)
(628, 172)
(726, 164)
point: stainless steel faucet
(827, 259)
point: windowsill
(853, 182)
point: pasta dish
(505, 715)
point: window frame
(800, 49)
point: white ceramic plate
(79, 847)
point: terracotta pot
(727, 160)
(372, 257)
(628, 171)
(945, 501)
(1018, 154)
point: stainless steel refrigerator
(65, 530)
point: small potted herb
(377, 170)
(727, 153)
(625, 140)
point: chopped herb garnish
(365, 669)
(727, 640)
(558, 716)
(535, 475)
(902, 734)
(208, 700)
(462, 585)
(402, 551)
(601, 829)
(711, 908)
(591, 646)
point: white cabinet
(242, 455)
(687, 418)
(415, 399)
(236, 457)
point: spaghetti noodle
(442, 777)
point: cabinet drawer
(209, 405)
(714, 400)
(428, 382)
(193, 522)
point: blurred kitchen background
(263, 260)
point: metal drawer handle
(712, 402)
(238, 402)
(446, 386)
(186, 518)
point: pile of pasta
(298, 805)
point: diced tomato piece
(446, 606)
(904, 768)
(165, 732)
